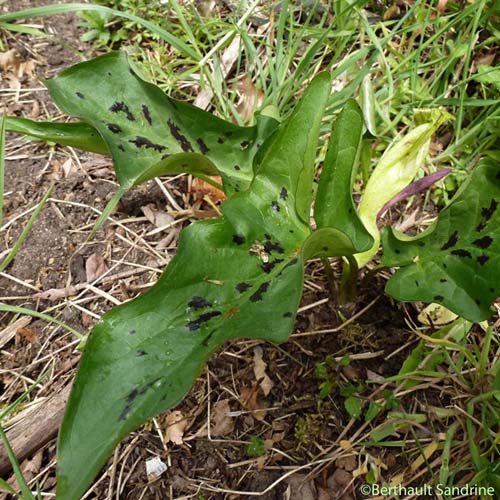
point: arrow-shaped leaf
(456, 262)
(148, 133)
(237, 276)
(334, 207)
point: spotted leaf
(237, 276)
(148, 133)
(456, 262)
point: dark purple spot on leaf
(208, 337)
(482, 259)
(483, 242)
(181, 139)
(397, 251)
(478, 302)
(133, 395)
(116, 129)
(451, 242)
(492, 290)
(267, 267)
(132, 332)
(121, 106)
(244, 144)
(165, 156)
(283, 193)
(489, 211)
(275, 206)
(438, 298)
(257, 296)
(125, 411)
(220, 140)
(237, 167)
(242, 287)
(461, 253)
(147, 114)
(417, 283)
(270, 247)
(199, 302)
(287, 315)
(325, 249)
(228, 133)
(238, 239)
(144, 142)
(140, 353)
(195, 325)
(121, 147)
(443, 280)
(203, 147)
(80, 95)
(480, 227)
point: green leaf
(77, 135)
(488, 74)
(256, 448)
(353, 406)
(325, 389)
(328, 242)
(455, 262)
(396, 422)
(150, 134)
(334, 206)
(408, 372)
(395, 170)
(384, 430)
(237, 276)
(374, 408)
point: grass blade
(26, 492)
(26, 230)
(50, 10)
(2, 164)
(36, 314)
(6, 486)
(110, 206)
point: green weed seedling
(241, 275)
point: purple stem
(414, 188)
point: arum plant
(143, 356)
